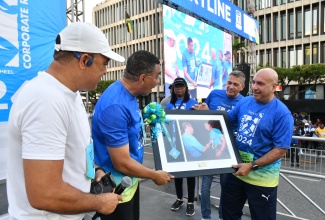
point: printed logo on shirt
(248, 126)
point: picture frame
(192, 143)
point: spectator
(181, 101)
(47, 175)
(227, 66)
(320, 132)
(265, 127)
(294, 150)
(220, 100)
(118, 131)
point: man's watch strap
(98, 168)
(255, 166)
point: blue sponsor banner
(27, 37)
(221, 13)
(211, 45)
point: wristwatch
(255, 166)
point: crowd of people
(54, 156)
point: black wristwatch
(98, 168)
(255, 166)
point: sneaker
(292, 165)
(297, 165)
(190, 209)
(177, 204)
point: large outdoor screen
(196, 51)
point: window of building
(268, 28)
(283, 57)
(262, 29)
(299, 55)
(307, 54)
(283, 2)
(268, 58)
(291, 28)
(262, 4)
(291, 56)
(261, 58)
(315, 20)
(298, 22)
(322, 52)
(275, 2)
(315, 53)
(283, 32)
(323, 17)
(307, 22)
(275, 27)
(276, 58)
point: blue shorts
(262, 201)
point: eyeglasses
(157, 78)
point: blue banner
(27, 38)
(221, 13)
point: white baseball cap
(85, 37)
(170, 33)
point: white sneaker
(300, 152)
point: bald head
(264, 84)
(269, 74)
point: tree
(102, 85)
(304, 77)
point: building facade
(147, 34)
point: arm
(46, 190)
(125, 164)
(270, 157)
(188, 76)
(223, 146)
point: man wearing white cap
(50, 163)
(170, 60)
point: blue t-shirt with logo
(188, 60)
(184, 105)
(261, 127)
(115, 123)
(218, 100)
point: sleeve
(193, 142)
(283, 128)
(113, 123)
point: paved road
(156, 200)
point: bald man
(217, 69)
(265, 128)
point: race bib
(90, 164)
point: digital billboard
(196, 51)
(220, 13)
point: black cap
(180, 81)
(227, 52)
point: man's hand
(243, 169)
(202, 106)
(162, 177)
(109, 201)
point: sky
(89, 4)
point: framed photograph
(196, 143)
